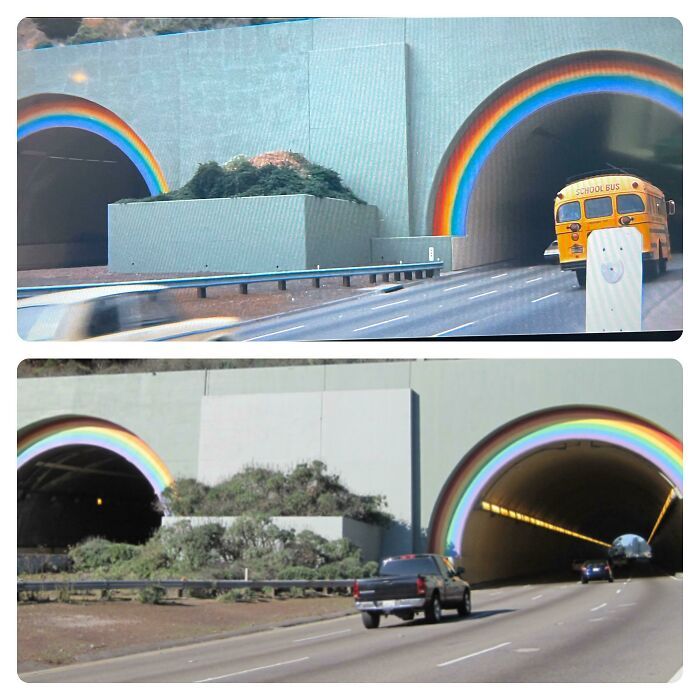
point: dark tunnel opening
(66, 177)
(511, 208)
(596, 490)
(74, 492)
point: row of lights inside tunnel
(537, 522)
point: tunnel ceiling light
(508, 513)
(664, 508)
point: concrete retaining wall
(245, 234)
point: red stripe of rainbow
(98, 433)
(469, 480)
(77, 113)
(648, 78)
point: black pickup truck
(410, 584)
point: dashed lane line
(476, 653)
(268, 335)
(484, 294)
(457, 286)
(536, 279)
(534, 301)
(503, 274)
(321, 636)
(251, 670)
(450, 330)
(380, 323)
(598, 607)
(391, 303)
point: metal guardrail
(181, 584)
(429, 269)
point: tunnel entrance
(65, 180)
(69, 493)
(598, 491)
(559, 486)
(511, 209)
(557, 122)
(74, 157)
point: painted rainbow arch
(43, 112)
(80, 430)
(571, 76)
(500, 449)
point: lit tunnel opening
(66, 177)
(598, 490)
(69, 493)
(511, 208)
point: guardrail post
(316, 282)
(282, 285)
(346, 280)
(243, 287)
(373, 279)
(202, 292)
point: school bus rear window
(571, 211)
(600, 206)
(629, 203)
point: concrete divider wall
(244, 234)
(367, 537)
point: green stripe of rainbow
(464, 488)
(38, 440)
(581, 74)
(74, 112)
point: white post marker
(614, 280)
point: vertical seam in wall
(308, 102)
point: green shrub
(237, 595)
(152, 595)
(98, 553)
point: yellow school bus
(610, 201)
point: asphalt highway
(626, 631)
(491, 300)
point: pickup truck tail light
(356, 590)
(420, 585)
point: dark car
(410, 584)
(596, 570)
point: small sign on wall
(431, 254)
(614, 280)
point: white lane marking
(674, 577)
(267, 335)
(380, 323)
(391, 303)
(527, 650)
(537, 596)
(319, 636)
(484, 294)
(503, 274)
(456, 328)
(476, 653)
(596, 619)
(598, 607)
(534, 301)
(457, 286)
(536, 279)
(619, 590)
(628, 580)
(250, 670)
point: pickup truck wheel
(370, 620)
(433, 612)
(465, 607)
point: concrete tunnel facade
(394, 105)
(595, 470)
